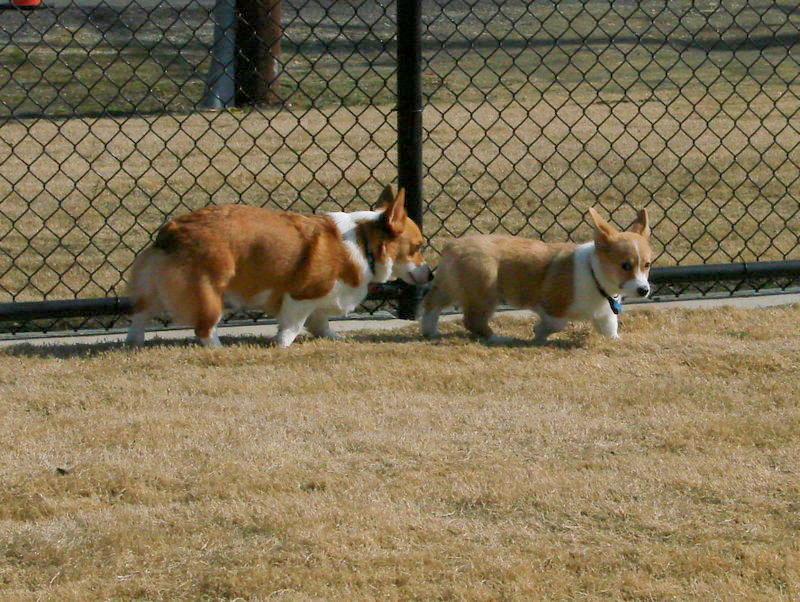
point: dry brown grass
(664, 466)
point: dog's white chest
(587, 303)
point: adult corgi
(300, 268)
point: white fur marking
(292, 316)
(347, 223)
(211, 342)
(587, 302)
(607, 325)
(416, 274)
(137, 328)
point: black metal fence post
(409, 125)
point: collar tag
(615, 303)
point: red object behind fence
(27, 3)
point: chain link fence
(102, 136)
(538, 110)
(534, 111)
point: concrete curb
(343, 326)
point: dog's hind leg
(143, 290)
(139, 320)
(193, 299)
(207, 314)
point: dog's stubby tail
(166, 240)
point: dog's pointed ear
(395, 214)
(387, 197)
(641, 225)
(603, 231)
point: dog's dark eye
(647, 265)
(626, 265)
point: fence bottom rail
(407, 298)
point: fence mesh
(538, 110)
(101, 136)
(534, 111)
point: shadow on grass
(391, 337)
(89, 350)
(569, 340)
(86, 350)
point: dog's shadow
(394, 337)
(574, 339)
(82, 350)
(569, 340)
(89, 350)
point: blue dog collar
(615, 303)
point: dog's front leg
(606, 324)
(292, 316)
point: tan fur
(241, 251)
(479, 272)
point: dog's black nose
(643, 291)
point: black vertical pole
(409, 125)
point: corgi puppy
(558, 281)
(300, 268)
